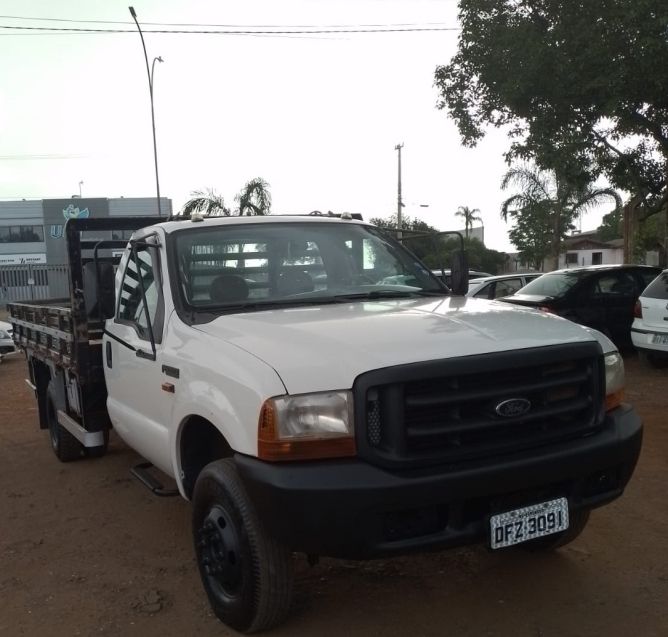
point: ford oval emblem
(513, 407)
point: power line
(232, 26)
(237, 31)
(31, 157)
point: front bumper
(351, 509)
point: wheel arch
(199, 443)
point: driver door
(139, 408)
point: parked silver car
(493, 287)
(6, 342)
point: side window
(483, 292)
(507, 287)
(616, 284)
(130, 305)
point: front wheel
(247, 575)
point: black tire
(100, 450)
(64, 444)
(651, 360)
(576, 524)
(247, 575)
(645, 359)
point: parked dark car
(601, 297)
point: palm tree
(254, 199)
(207, 201)
(469, 215)
(548, 190)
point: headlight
(307, 426)
(614, 380)
(4, 334)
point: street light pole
(149, 73)
(400, 204)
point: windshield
(257, 265)
(556, 284)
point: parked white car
(649, 331)
(6, 341)
(494, 287)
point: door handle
(108, 352)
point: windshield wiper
(389, 294)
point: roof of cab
(175, 225)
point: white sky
(318, 117)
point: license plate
(660, 339)
(528, 523)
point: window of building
(571, 258)
(596, 258)
(21, 234)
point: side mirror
(459, 273)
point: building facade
(33, 253)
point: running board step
(141, 472)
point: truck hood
(326, 347)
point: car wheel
(64, 444)
(247, 575)
(651, 360)
(576, 525)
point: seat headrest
(228, 288)
(294, 282)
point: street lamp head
(132, 12)
(159, 58)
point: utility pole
(400, 204)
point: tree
(550, 205)
(469, 215)
(581, 85)
(436, 252)
(532, 234)
(208, 202)
(254, 199)
(611, 226)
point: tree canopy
(544, 209)
(582, 85)
(253, 199)
(436, 252)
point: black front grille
(457, 409)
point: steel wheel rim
(219, 547)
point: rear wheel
(64, 444)
(649, 359)
(247, 575)
(576, 524)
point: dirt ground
(86, 550)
